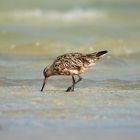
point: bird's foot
(70, 89)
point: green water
(105, 105)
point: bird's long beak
(45, 79)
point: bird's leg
(71, 88)
(80, 78)
(73, 80)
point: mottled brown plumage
(71, 64)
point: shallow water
(105, 105)
(99, 112)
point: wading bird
(71, 64)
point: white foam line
(67, 16)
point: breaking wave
(75, 15)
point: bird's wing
(69, 61)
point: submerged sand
(27, 113)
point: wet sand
(26, 113)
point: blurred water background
(107, 103)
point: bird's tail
(96, 55)
(101, 53)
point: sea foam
(37, 15)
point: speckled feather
(72, 63)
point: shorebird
(71, 64)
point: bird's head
(46, 73)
